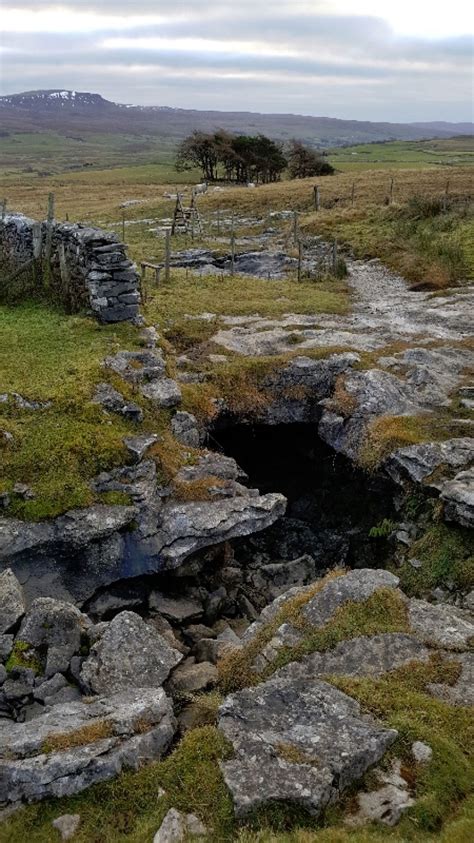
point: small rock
(190, 677)
(177, 609)
(6, 646)
(196, 632)
(12, 602)
(67, 825)
(214, 604)
(23, 491)
(422, 753)
(177, 827)
(185, 429)
(139, 445)
(385, 805)
(164, 392)
(114, 402)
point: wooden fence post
(334, 257)
(295, 227)
(317, 197)
(390, 201)
(232, 245)
(167, 254)
(49, 239)
(300, 258)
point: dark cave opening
(332, 504)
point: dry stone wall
(87, 268)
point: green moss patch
(447, 559)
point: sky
(394, 60)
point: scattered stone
(422, 753)
(458, 497)
(114, 402)
(12, 601)
(137, 366)
(6, 646)
(441, 625)
(128, 652)
(177, 828)
(23, 491)
(67, 825)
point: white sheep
(200, 188)
(251, 184)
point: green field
(46, 154)
(430, 153)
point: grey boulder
(54, 628)
(130, 652)
(297, 741)
(12, 603)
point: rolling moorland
(401, 213)
(50, 132)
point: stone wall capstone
(95, 271)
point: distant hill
(64, 111)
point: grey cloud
(389, 70)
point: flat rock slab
(441, 625)
(363, 656)
(330, 743)
(187, 527)
(112, 733)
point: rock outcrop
(332, 742)
(77, 744)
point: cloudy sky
(397, 60)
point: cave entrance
(332, 505)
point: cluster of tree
(247, 158)
(304, 162)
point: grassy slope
(47, 356)
(131, 809)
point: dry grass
(197, 490)
(92, 732)
(386, 434)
